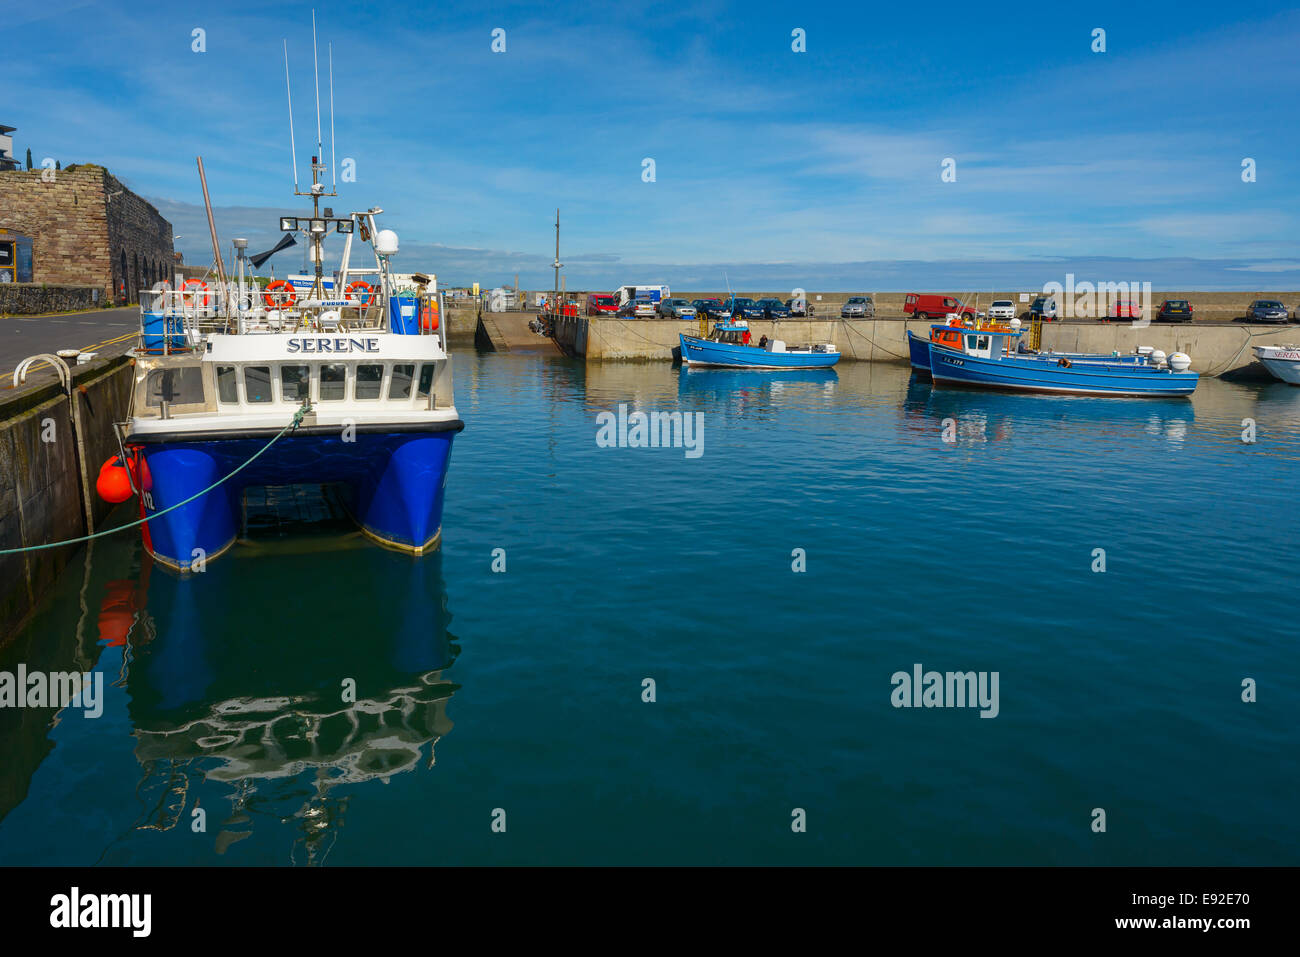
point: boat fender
(113, 483)
(429, 316)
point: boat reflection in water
(740, 390)
(980, 417)
(280, 707)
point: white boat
(340, 380)
(1282, 361)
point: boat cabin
(730, 330)
(987, 343)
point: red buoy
(113, 483)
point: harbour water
(505, 680)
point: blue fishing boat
(988, 359)
(950, 334)
(729, 347)
(345, 382)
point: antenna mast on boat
(315, 65)
(317, 225)
(293, 150)
(334, 183)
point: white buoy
(1015, 324)
(1180, 361)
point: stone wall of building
(87, 229)
(65, 217)
(34, 299)
(139, 239)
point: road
(23, 336)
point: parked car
(1174, 310)
(799, 307)
(676, 309)
(1123, 309)
(1044, 308)
(929, 305)
(1266, 310)
(773, 309)
(742, 308)
(599, 304)
(715, 310)
(638, 308)
(858, 307)
(1002, 309)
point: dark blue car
(742, 308)
(773, 309)
(715, 310)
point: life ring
(429, 316)
(288, 297)
(197, 284)
(361, 284)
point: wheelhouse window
(426, 380)
(228, 385)
(333, 382)
(399, 387)
(370, 380)
(182, 386)
(295, 383)
(257, 383)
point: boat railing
(176, 319)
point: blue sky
(819, 169)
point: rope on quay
(874, 344)
(297, 421)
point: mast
(555, 297)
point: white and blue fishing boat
(950, 334)
(728, 347)
(987, 358)
(344, 384)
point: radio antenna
(333, 181)
(293, 150)
(316, 66)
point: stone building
(87, 229)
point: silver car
(858, 307)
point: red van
(599, 304)
(924, 305)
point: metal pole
(212, 225)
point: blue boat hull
(706, 352)
(393, 482)
(1045, 374)
(918, 350)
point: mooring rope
(297, 421)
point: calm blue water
(1118, 690)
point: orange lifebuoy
(429, 316)
(288, 297)
(197, 284)
(361, 284)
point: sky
(820, 169)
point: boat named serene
(237, 386)
(1282, 361)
